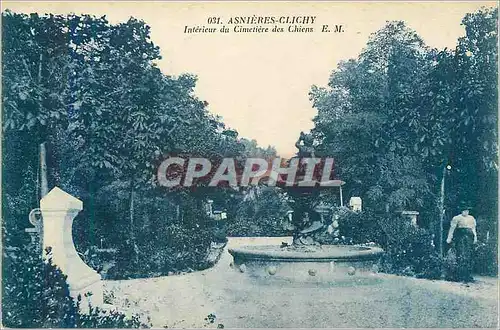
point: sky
(259, 83)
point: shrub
(35, 295)
(361, 227)
(98, 318)
(486, 259)
(409, 250)
(220, 233)
(353, 228)
(169, 234)
(256, 227)
(177, 247)
(259, 213)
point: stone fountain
(305, 259)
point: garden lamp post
(446, 168)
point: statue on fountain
(305, 144)
(307, 219)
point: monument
(58, 209)
(306, 259)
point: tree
(466, 98)
(403, 110)
(34, 79)
(363, 117)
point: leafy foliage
(92, 91)
(363, 118)
(361, 227)
(486, 258)
(35, 295)
(409, 250)
(396, 115)
(259, 213)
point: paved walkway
(239, 301)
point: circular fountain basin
(307, 264)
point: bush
(353, 228)
(220, 233)
(98, 318)
(259, 213)
(362, 227)
(486, 259)
(409, 250)
(177, 247)
(256, 227)
(168, 234)
(35, 295)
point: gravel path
(239, 301)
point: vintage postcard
(250, 164)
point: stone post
(356, 203)
(58, 210)
(412, 215)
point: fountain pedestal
(306, 264)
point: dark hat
(465, 206)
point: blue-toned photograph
(249, 164)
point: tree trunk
(131, 218)
(441, 212)
(131, 208)
(91, 208)
(44, 185)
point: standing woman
(463, 234)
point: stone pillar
(59, 209)
(412, 215)
(356, 204)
